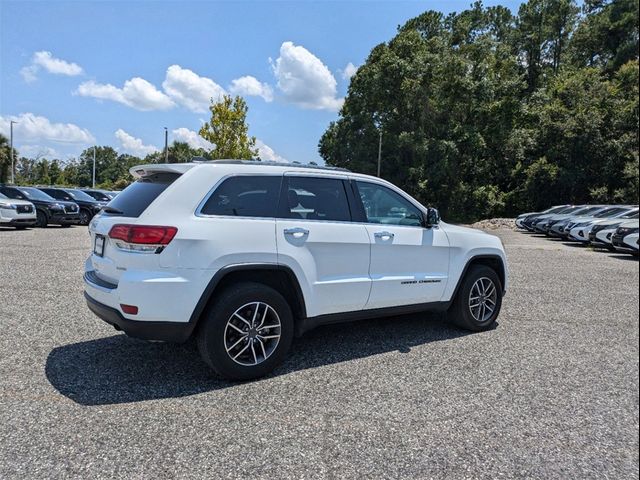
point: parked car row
(614, 227)
(23, 207)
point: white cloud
(249, 85)
(304, 79)
(136, 93)
(194, 140)
(31, 127)
(133, 145)
(189, 89)
(349, 71)
(29, 73)
(38, 151)
(265, 152)
(45, 60)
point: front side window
(383, 205)
(316, 198)
(245, 196)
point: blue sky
(115, 73)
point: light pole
(13, 180)
(94, 166)
(166, 145)
(379, 152)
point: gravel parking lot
(551, 392)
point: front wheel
(41, 219)
(246, 332)
(478, 301)
(85, 217)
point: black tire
(84, 216)
(41, 219)
(460, 312)
(212, 331)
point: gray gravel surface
(551, 392)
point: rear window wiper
(115, 211)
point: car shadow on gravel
(119, 369)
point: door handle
(297, 232)
(383, 235)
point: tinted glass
(80, 195)
(35, 194)
(245, 196)
(140, 194)
(313, 198)
(3, 196)
(98, 196)
(556, 209)
(383, 205)
(58, 194)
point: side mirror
(433, 218)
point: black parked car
(48, 209)
(99, 195)
(89, 206)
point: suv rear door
(106, 259)
(317, 239)
(409, 263)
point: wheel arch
(493, 261)
(279, 277)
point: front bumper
(18, 222)
(164, 331)
(65, 218)
(579, 234)
(618, 243)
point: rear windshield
(135, 199)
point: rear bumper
(165, 331)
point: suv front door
(409, 263)
(317, 239)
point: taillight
(142, 238)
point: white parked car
(245, 255)
(16, 213)
(625, 238)
(578, 229)
(601, 231)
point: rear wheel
(41, 219)
(478, 301)
(246, 332)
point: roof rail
(268, 163)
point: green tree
(5, 159)
(228, 131)
(483, 113)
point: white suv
(244, 255)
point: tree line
(226, 131)
(487, 113)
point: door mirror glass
(433, 217)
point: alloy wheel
(252, 333)
(483, 299)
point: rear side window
(135, 199)
(245, 196)
(314, 198)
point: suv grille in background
(70, 208)
(24, 209)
